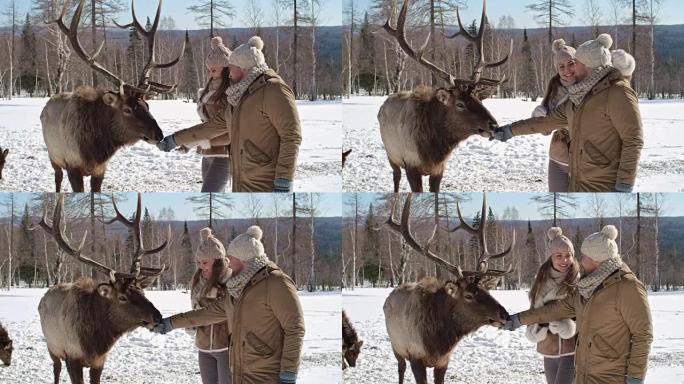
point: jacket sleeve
(204, 132)
(623, 111)
(545, 125)
(556, 310)
(218, 312)
(284, 302)
(280, 106)
(633, 305)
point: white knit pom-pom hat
(248, 55)
(595, 53)
(210, 247)
(218, 55)
(559, 243)
(601, 246)
(248, 245)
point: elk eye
(469, 296)
(123, 299)
(460, 105)
(127, 110)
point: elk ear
(105, 290)
(111, 99)
(9, 345)
(360, 344)
(490, 282)
(5, 152)
(443, 96)
(451, 288)
(145, 282)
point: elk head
(6, 353)
(132, 109)
(461, 101)
(470, 289)
(351, 353)
(3, 157)
(124, 292)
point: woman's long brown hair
(217, 270)
(571, 277)
(225, 83)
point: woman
(212, 136)
(556, 95)
(555, 279)
(208, 285)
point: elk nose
(493, 125)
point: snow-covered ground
(517, 165)
(491, 355)
(143, 357)
(142, 167)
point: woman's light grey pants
(559, 177)
(560, 370)
(214, 367)
(215, 173)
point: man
(264, 123)
(613, 316)
(602, 116)
(264, 313)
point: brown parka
(267, 326)
(614, 332)
(265, 135)
(606, 135)
(213, 337)
(213, 132)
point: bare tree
(11, 13)
(592, 15)
(210, 13)
(549, 13)
(616, 8)
(254, 17)
(310, 207)
(210, 205)
(253, 208)
(596, 208)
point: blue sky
(674, 204)
(330, 204)
(672, 11)
(177, 9)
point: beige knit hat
(247, 245)
(561, 52)
(210, 247)
(623, 61)
(559, 243)
(595, 53)
(218, 53)
(601, 246)
(248, 55)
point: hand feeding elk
(5, 347)
(3, 158)
(82, 321)
(420, 129)
(84, 129)
(426, 320)
(351, 344)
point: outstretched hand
(502, 133)
(163, 327)
(512, 323)
(167, 144)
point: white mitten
(190, 331)
(536, 333)
(565, 328)
(540, 111)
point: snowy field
(143, 357)
(142, 167)
(517, 165)
(493, 356)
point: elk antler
(150, 43)
(480, 233)
(476, 76)
(139, 251)
(399, 33)
(55, 230)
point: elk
(5, 347)
(85, 128)
(351, 344)
(426, 320)
(420, 129)
(3, 157)
(82, 321)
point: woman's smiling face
(561, 261)
(566, 70)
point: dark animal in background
(344, 156)
(84, 129)
(82, 321)
(351, 344)
(426, 320)
(5, 347)
(420, 129)
(3, 158)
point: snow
(142, 167)
(519, 165)
(143, 357)
(491, 355)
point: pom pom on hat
(610, 232)
(205, 233)
(554, 232)
(216, 41)
(255, 232)
(256, 42)
(557, 45)
(605, 40)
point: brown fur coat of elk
(82, 321)
(420, 129)
(6, 347)
(351, 344)
(426, 320)
(84, 129)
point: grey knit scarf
(588, 284)
(234, 92)
(580, 89)
(236, 284)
